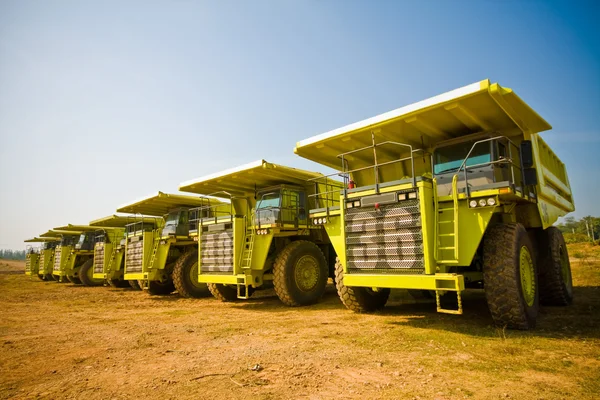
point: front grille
(42, 262)
(135, 256)
(387, 240)
(99, 259)
(57, 254)
(216, 252)
(28, 264)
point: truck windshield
(172, 218)
(269, 200)
(450, 158)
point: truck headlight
(402, 196)
(357, 203)
(349, 204)
(491, 201)
(473, 203)
(482, 202)
(316, 221)
(412, 195)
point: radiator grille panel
(216, 252)
(57, 255)
(99, 259)
(135, 257)
(388, 240)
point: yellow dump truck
(109, 249)
(456, 191)
(160, 253)
(263, 237)
(46, 258)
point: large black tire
(359, 299)
(134, 285)
(158, 288)
(556, 284)
(509, 260)
(118, 283)
(223, 292)
(185, 276)
(300, 274)
(73, 279)
(86, 274)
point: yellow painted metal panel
(426, 282)
(161, 203)
(243, 180)
(119, 221)
(479, 107)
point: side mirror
(526, 154)
(530, 176)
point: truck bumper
(452, 282)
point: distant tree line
(12, 254)
(586, 229)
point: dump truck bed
(119, 221)
(161, 203)
(479, 107)
(41, 239)
(245, 179)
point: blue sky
(104, 102)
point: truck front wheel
(223, 292)
(510, 276)
(359, 299)
(556, 285)
(185, 276)
(161, 288)
(300, 274)
(86, 274)
(135, 284)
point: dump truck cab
(446, 194)
(74, 253)
(158, 252)
(109, 249)
(263, 236)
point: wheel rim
(90, 274)
(565, 270)
(307, 273)
(193, 275)
(527, 276)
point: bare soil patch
(67, 341)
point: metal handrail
(211, 210)
(508, 160)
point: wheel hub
(527, 273)
(193, 275)
(307, 273)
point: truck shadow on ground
(579, 320)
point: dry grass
(65, 341)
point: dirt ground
(67, 341)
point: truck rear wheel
(161, 288)
(185, 276)
(86, 274)
(300, 274)
(359, 299)
(223, 292)
(556, 284)
(135, 284)
(510, 276)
